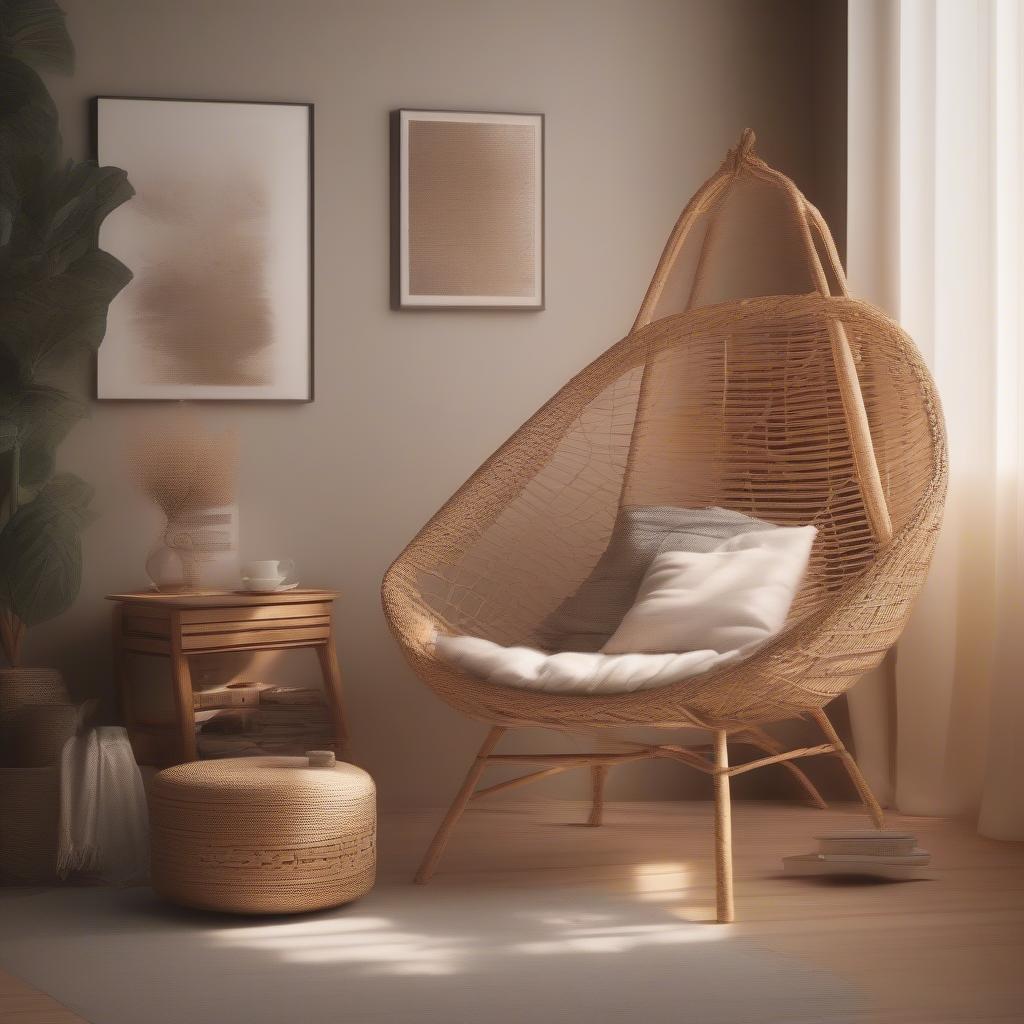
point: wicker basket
(29, 811)
(36, 717)
(38, 733)
(21, 686)
(263, 835)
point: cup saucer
(279, 589)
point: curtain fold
(935, 237)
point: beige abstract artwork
(202, 307)
(470, 210)
(218, 240)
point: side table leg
(121, 682)
(181, 676)
(332, 685)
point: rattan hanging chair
(800, 407)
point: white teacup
(269, 569)
(268, 574)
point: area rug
(406, 953)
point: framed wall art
(219, 237)
(467, 210)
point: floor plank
(22, 1004)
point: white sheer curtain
(936, 236)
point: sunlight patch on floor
(374, 943)
(657, 882)
(399, 953)
(564, 920)
(614, 939)
(379, 945)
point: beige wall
(642, 99)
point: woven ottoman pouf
(263, 835)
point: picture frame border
(94, 140)
(395, 136)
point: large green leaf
(79, 197)
(34, 31)
(60, 217)
(41, 551)
(41, 416)
(10, 458)
(29, 150)
(44, 321)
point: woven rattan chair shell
(807, 407)
(859, 591)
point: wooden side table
(178, 626)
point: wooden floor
(20, 1004)
(933, 952)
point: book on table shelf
(285, 720)
(249, 694)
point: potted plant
(56, 285)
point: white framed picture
(467, 210)
(219, 239)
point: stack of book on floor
(872, 852)
(285, 721)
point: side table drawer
(248, 639)
(225, 629)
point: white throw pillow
(733, 598)
(586, 619)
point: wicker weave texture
(262, 835)
(803, 407)
(39, 732)
(22, 686)
(36, 716)
(29, 814)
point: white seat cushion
(718, 606)
(572, 671)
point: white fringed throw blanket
(104, 824)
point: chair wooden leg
(598, 774)
(867, 798)
(723, 832)
(770, 745)
(436, 848)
